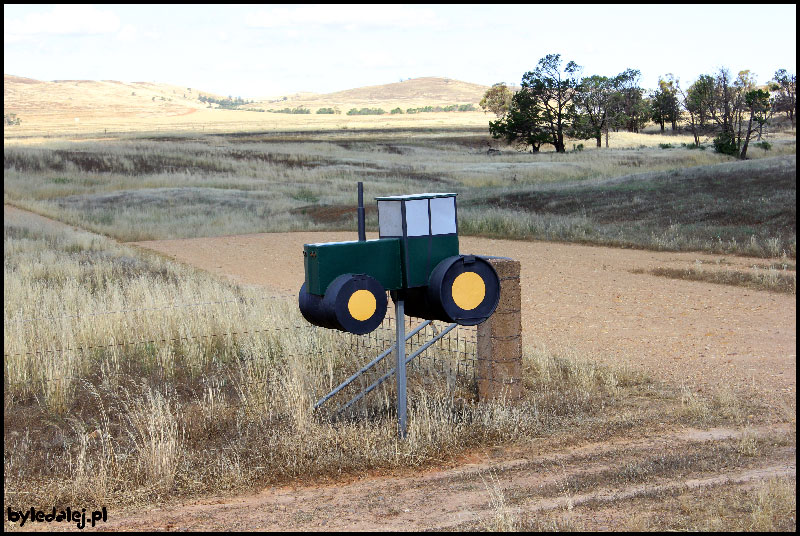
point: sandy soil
(586, 300)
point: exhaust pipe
(362, 233)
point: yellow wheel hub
(468, 290)
(362, 305)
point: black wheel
(355, 303)
(464, 289)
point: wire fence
(22, 319)
(452, 358)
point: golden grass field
(79, 107)
(133, 380)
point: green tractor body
(394, 262)
(418, 245)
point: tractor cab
(427, 227)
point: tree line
(230, 103)
(555, 101)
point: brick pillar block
(500, 339)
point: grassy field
(91, 108)
(205, 387)
(132, 379)
(631, 195)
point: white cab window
(417, 217)
(443, 215)
(390, 219)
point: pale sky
(257, 51)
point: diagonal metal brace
(368, 366)
(389, 374)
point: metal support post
(369, 365)
(400, 367)
(409, 359)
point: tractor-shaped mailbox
(416, 258)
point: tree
(628, 108)
(786, 100)
(553, 92)
(497, 99)
(664, 102)
(759, 106)
(696, 102)
(522, 124)
(592, 103)
(699, 99)
(543, 109)
(733, 101)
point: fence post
(500, 339)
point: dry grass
(767, 506)
(144, 404)
(770, 279)
(76, 107)
(502, 519)
(647, 487)
(183, 186)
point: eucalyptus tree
(628, 108)
(543, 110)
(738, 108)
(553, 90)
(592, 108)
(522, 125)
(786, 99)
(664, 102)
(699, 99)
(497, 99)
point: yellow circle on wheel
(468, 290)
(362, 305)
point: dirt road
(587, 301)
(531, 479)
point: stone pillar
(500, 339)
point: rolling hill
(416, 92)
(70, 106)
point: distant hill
(60, 106)
(29, 98)
(416, 92)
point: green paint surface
(422, 255)
(377, 258)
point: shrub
(366, 111)
(665, 145)
(764, 145)
(298, 110)
(11, 119)
(726, 144)
(325, 111)
(397, 110)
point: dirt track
(586, 300)
(444, 499)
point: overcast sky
(256, 51)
